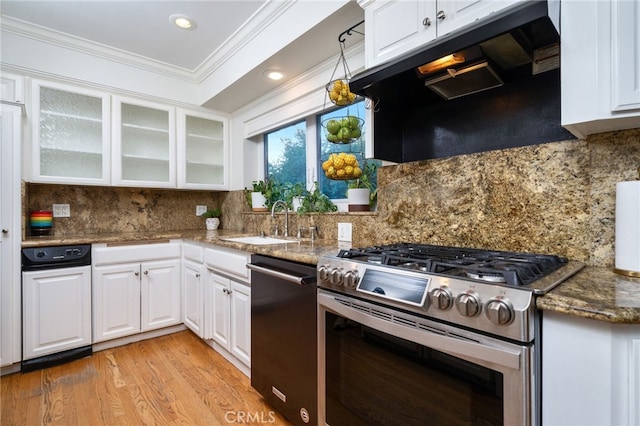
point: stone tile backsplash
(556, 198)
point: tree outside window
(286, 153)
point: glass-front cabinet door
(202, 150)
(143, 144)
(71, 135)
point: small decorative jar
(41, 222)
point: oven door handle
(296, 279)
(458, 346)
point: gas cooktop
(499, 267)
(487, 290)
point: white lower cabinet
(231, 316)
(116, 295)
(194, 275)
(241, 322)
(130, 298)
(590, 372)
(227, 307)
(193, 278)
(161, 294)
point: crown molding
(87, 47)
(252, 28)
(268, 13)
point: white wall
(300, 98)
(39, 58)
(49, 57)
(286, 22)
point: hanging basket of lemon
(343, 130)
(341, 166)
(339, 92)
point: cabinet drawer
(228, 261)
(193, 252)
(134, 253)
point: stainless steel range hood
(495, 50)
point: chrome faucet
(286, 215)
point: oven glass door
(370, 376)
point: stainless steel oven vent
(465, 81)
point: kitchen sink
(258, 240)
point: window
(286, 153)
(300, 147)
(336, 189)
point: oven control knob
(468, 304)
(323, 273)
(351, 278)
(499, 311)
(441, 298)
(335, 276)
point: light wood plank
(173, 379)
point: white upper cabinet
(393, 27)
(600, 50)
(70, 135)
(625, 56)
(202, 150)
(144, 144)
(87, 137)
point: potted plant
(212, 218)
(316, 202)
(362, 192)
(263, 194)
(294, 195)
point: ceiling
(143, 29)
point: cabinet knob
(197, 275)
(5, 231)
(441, 15)
(136, 273)
(426, 22)
(146, 272)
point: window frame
(313, 148)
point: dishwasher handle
(296, 279)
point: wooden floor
(174, 379)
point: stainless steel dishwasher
(283, 336)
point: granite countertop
(300, 250)
(594, 292)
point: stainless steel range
(463, 320)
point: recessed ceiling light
(274, 74)
(182, 21)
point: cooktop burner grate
(513, 269)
